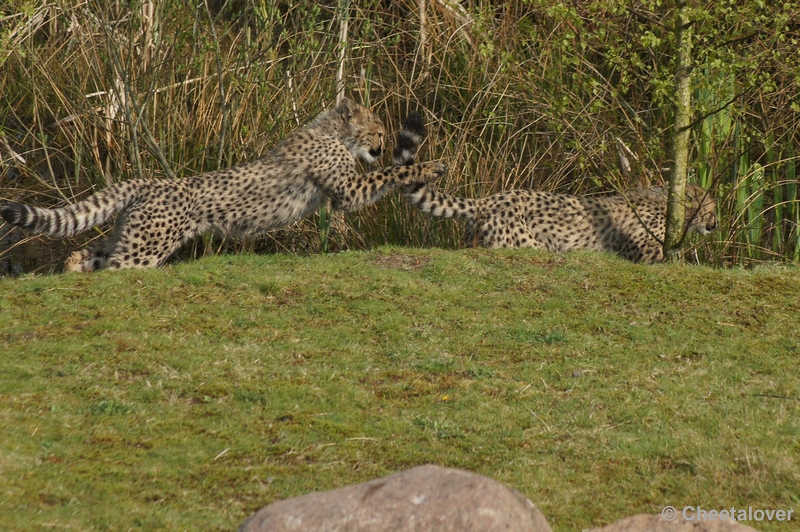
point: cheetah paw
(434, 170)
(84, 261)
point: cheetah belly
(280, 208)
(254, 207)
(565, 229)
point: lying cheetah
(287, 184)
(631, 225)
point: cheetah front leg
(651, 252)
(361, 190)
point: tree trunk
(344, 14)
(325, 214)
(676, 213)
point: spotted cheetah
(630, 224)
(291, 181)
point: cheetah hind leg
(96, 256)
(142, 241)
(86, 260)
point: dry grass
(523, 94)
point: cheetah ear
(346, 109)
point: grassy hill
(190, 396)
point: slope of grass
(190, 396)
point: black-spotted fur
(630, 224)
(156, 216)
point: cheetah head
(703, 205)
(362, 131)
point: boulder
(427, 498)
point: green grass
(190, 396)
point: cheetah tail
(439, 204)
(409, 139)
(72, 219)
(421, 196)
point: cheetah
(156, 216)
(631, 225)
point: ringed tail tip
(415, 124)
(13, 213)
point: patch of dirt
(402, 261)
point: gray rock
(656, 523)
(423, 499)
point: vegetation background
(563, 96)
(190, 396)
